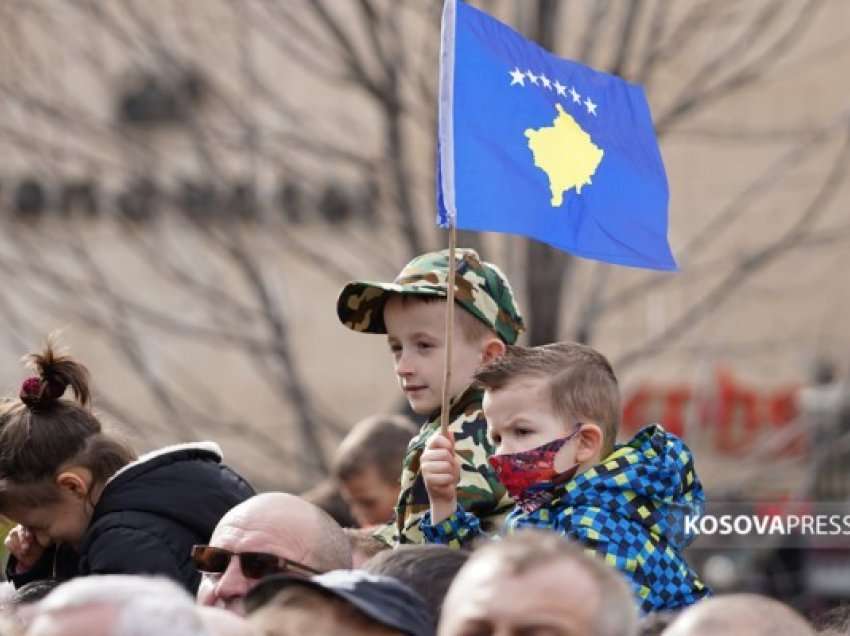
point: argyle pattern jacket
(630, 509)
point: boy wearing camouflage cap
(411, 312)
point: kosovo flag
(536, 145)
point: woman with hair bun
(84, 502)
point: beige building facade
(183, 115)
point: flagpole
(450, 319)
(445, 182)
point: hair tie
(31, 387)
(38, 390)
(31, 390)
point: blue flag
(536, 145)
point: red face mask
(528, 475)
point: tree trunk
(546, 268)
(396, 157)
(546, 272)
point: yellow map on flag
(566, 153)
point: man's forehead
(557, 573)
(556, 593)
(482, 568)
(246, 535)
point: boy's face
(520, 417)
(371, 499)
(416, 335)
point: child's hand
(21, 543)
(441, 472)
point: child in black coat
(83, 501)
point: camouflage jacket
(479, 490)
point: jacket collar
(204, 447)
(470, 398)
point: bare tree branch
(758, 28)
(279, 31)
(127, 342)
(652, 50)
(116, 326)
(743, 135)
(695, 97)
(294, 386)
(701, 15)
(587, 48)
(628, 31)
(748, 266)
(721, 221)
(371, 21)
(762, 184)
(592, 306)
(350, 55)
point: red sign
(731, 415)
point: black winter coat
(152, 512)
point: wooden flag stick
(450, 319)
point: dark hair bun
(37, 391)
(56, 372)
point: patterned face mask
(528, 475)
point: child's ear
(494, 348)
(75, 481)
(589, 446)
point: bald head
(115, 605)
(535, 581)
(308, 534)
(744, 614)
(273, 523)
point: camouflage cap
(480, 288)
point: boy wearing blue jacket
(553, 413)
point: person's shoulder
(135, 542)
(121, 531)
(126, 522)
(197, 464)
(167, 458)
(189, 488)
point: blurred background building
(185, 186)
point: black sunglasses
(254, 565)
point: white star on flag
(517, 77)
(562, 90)
(532, 77)
(575, 94)
(546, 82)
(591, 107)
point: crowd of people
(525, 516)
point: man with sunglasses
(268, 534)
